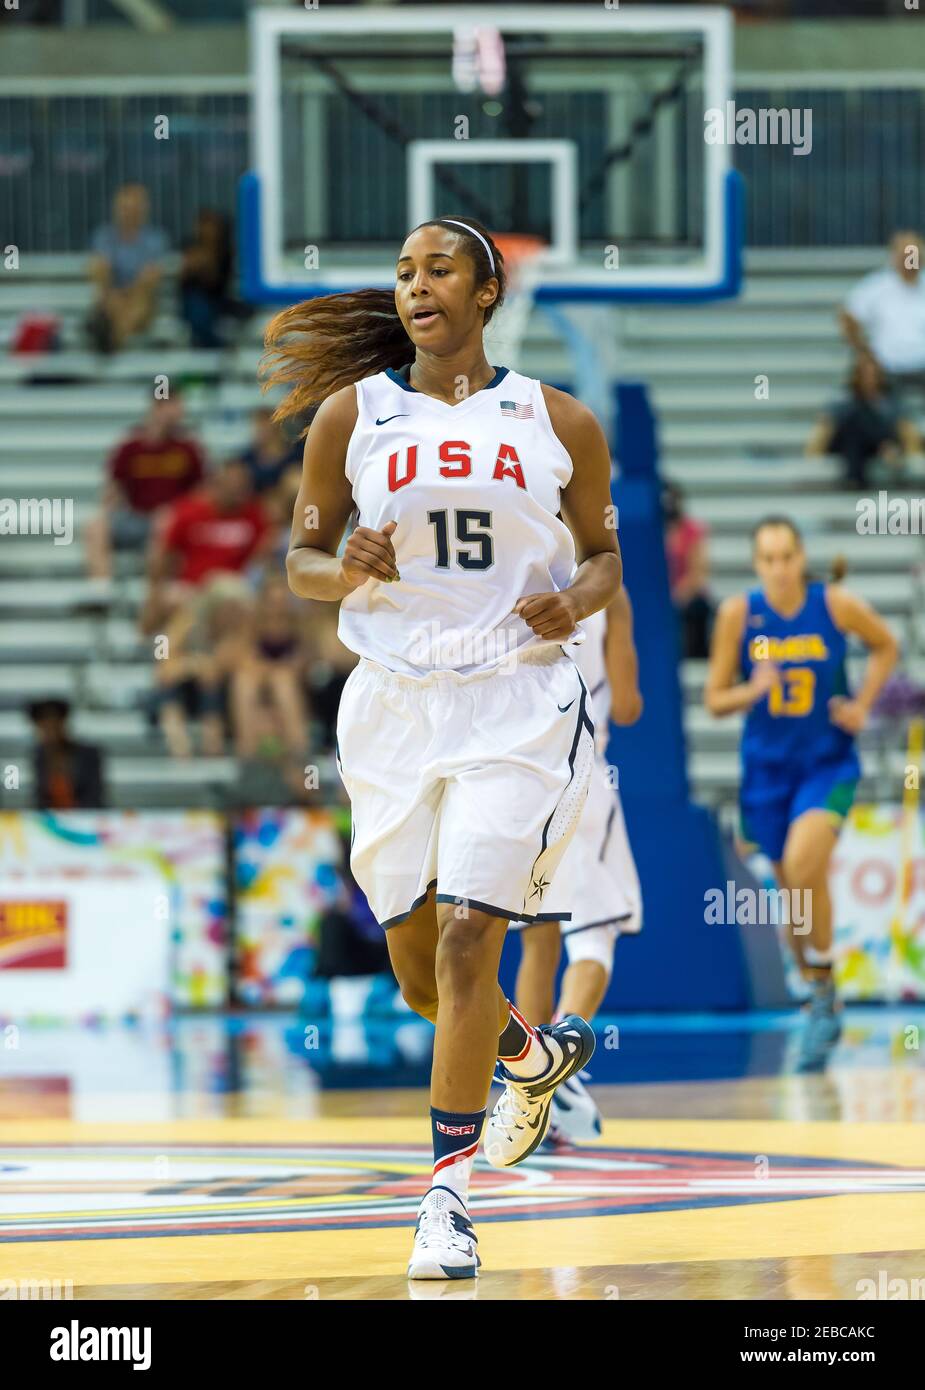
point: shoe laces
(511, 1108)
(437, 1229)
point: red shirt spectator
(682, 543)
(151, 473)
(220, 528)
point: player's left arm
(622, 662)
(589, 513)
(854, 615)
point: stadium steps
(880, 554)
(122, 731)
(124, 685)
(661, 365)
(139, 366)
(122, 402)
(834, 511)
(25, 682)
(152, 783)
(73, 640)
(49, 596)
(740, 430)
(737, 457)
(97, 437)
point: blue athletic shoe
(821, 1030)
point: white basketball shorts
(596, 882)
(471, 784)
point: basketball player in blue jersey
(464, 738)
(778, 655)
(598, 877)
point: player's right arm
(323, 508)
(722, 694)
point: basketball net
(523, 263)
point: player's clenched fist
(549, 615)
(369, 554)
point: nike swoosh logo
(402, 415)
(564, 708)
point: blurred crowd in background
(242, 666)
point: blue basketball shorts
(772, 798)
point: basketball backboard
(583, 125)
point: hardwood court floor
(212, 1161)
(769, 1187)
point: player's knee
(596, 945)
(420, 997)
(462, 958)
(802, 868)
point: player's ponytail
(319, 346)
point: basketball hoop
(520, 251)
(523, 264)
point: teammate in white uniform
(597, 878)
(463, 735)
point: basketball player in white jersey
(597, 878)
(463, 736)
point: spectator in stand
(205, 280)
(864, 424)
(330, 663)
(885, 314)
(220, 527)
(271, 451)
(688, 572)
(267, 685)
(126, 269)
(206, 641)
(154, 466)
(279, 504)
(68, 775)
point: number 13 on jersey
(793, 695)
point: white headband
(473, 232)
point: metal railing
(67, 144)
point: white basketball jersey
(474, 488)
(589, 658)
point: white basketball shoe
(518, 1124)
(575, 1117)
(444, 1241)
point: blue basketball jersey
(791, 724)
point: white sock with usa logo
(456, 1141)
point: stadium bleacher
(735, 455)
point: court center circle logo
(119, 1191)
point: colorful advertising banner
(33, 934)
(878, 899)
(154, 874)
(288, 867)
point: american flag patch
(516, 411)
